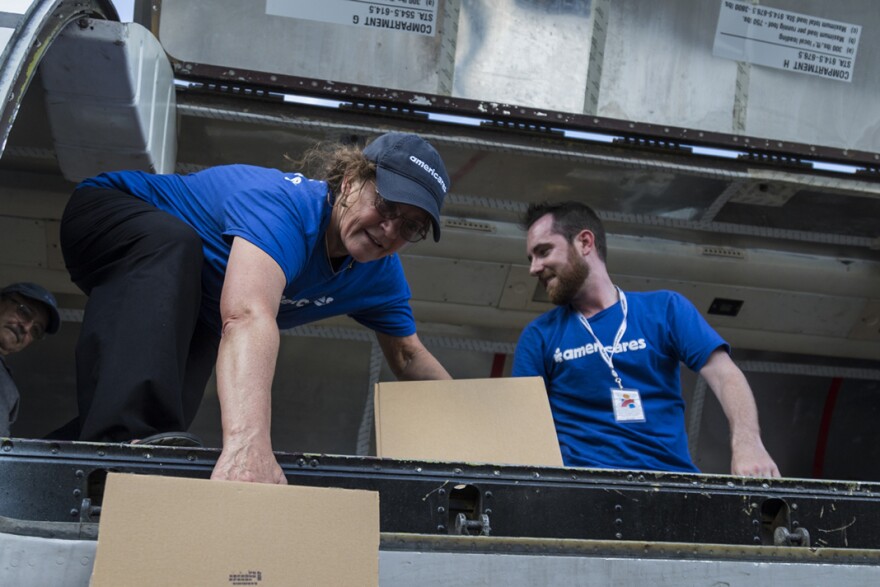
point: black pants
(143, 357)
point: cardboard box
(158, 531)
(498, 420)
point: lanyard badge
(627, 403)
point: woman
(185, 271)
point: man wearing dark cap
(185, 271)
(27, 313)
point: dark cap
(38, 294)
(410, 171)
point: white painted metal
(659, 68)
(27, 561)
(38, 562)
(404, 569)
(117, 113)
(17, 6)
(648, 62)
(236, 34)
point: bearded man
(610, 359)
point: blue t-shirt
(662, 330)
(285, 215)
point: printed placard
(627, 405)
(786, 40)
(408, 16)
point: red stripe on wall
(498, 365)
(824, 427)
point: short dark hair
(569, 219)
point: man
(610, 360)
(27, 313)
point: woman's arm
(409, 359)
(246, 359)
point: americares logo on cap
(410, 171)
(430, 170)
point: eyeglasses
(29, 316)
(411, 230)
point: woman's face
(361, 230)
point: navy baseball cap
(40, 294)
(410, 171)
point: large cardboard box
(158, 531)
(498, 420)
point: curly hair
(334, 163)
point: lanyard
(606, 356)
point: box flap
(498, 420)
(158, 530)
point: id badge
(627, 405)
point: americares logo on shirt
(588, 349)
(322, 301)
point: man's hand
(248, 462)
(751, 459)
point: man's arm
(749, 457)
(246, 359)
(409, 359)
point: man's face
(555, 262)
(22, 321)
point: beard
(569, 280)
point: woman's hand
(253, 462)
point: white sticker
(409, 16)
(627, 405)
(786, 40)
